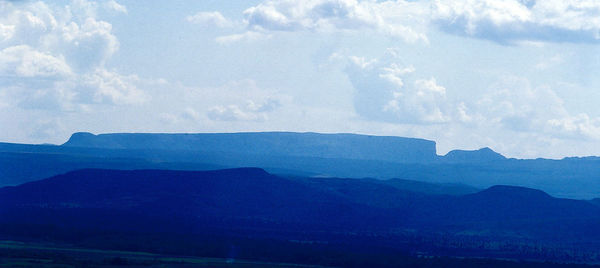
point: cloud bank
(501, 21)
(397, 19)
(54, 57)
(511, 21)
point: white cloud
(234, 113)
(248, 36)
(114, 6)
(512, 21)
(514, 104)
(6, 32)
(251, 111)
(387, 91)
(23, 61)
(113, 88)
(240, 101)
(422, 101)
(214, 18)
(576, 127)
(398, 19)
(54, 57)
(502, 21)
(512, 115)
(87, 45)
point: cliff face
(345, 146)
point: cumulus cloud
(214, 18)
(577, 126)
(54, 57)
(502, 21)
(87, 45)
(242, 101)
(114, 6)
(514, 104)
(387, 91)
(511, 21)
(248, 36)
(251, 111)
(24, 61)
(398, 19)
(233, 113)
(110, 87)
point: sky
(520, 77)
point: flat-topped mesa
(342, 146)
(475, 156)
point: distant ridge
(345, 146)
(305, 154)
(514, 191)
(465, 156)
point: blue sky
(517, 76)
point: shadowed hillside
(90, 206)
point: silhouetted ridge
(507, 191)
(476, 156)
(251, 203)
(343, 146)
(104, 186)
(504, 203)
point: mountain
(245, 194)
(476, 156)
(301, 154)
(346, 146)
(506, 203)
(256, 199)
(293, 219)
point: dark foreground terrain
(19, 254)
(249, 214)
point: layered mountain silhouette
(301, 154)
(253, 194)
(329, 199)
(250, 207)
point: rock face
(344, 146)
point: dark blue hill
(253, 195)
(245, 194)
(206, 212)
(507, 203)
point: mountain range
(245, 206)
(302, 198)
(301, 154)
